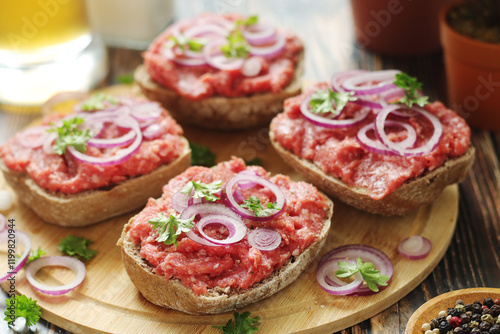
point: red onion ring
(249, 214)
(145, 111)
(208, 30)
(237, 230)
(415, 247)
(251, 67)
(152, 131)
(379, 259)
(338, 78)
(332, 284)
(168, 53)
(77, 266)
(331, 123)
(20, 238)
(428, 147)
(215, 58)
(259, 34)
(269, 51)
(34, 136)
(360, 84)
(264, 238)
(124, 140)
(376, 146)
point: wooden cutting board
(107, 302)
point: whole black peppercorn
(465, 318)
(495, 329)
(476, 317)
(477, 307)
(434, 323)
(475, 331)
(488, 302)
(466, 328)
(459, 330)
(495, 310)
(454, 312)
(441, 319)
(468, 307)
(444, 327)
(485, 326)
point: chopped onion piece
(264, 238)
(20, 239)
(371, 82)
(69, 262)
(415, 247)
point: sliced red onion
(363, 83)
(145, 111)
(259, 34)
(331, 283)
(338, 78)
(428, 147)
(34, 136)
(376, 146)
(251, 67)
(380, 260)
(236, 227)
(186, 61)
(75, 265)
(207, 30)
(47, 145)
(152, 131)
(269, 51)
(249, 214)
(247, 185)
(121, 141)
(215, 57)
(264, 238)
(415, 247)
(332, 123)
(20, 239)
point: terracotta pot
(398, 27)
(473, 76)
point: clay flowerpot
(398, 27)
(473, 76)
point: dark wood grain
(473, 258)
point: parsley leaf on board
(35, 254)
(370, 275)
(168, 228)
(206, 190)
(323, 101)
(24, 307)
(201, 155)
(237, 47)
(68, 134)
(98, 101)
(77, 247)
(411, 87)
(243, 324)
(253, 203)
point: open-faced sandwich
(222, 71)
(105, 159)
(373, 141)
(223, 237)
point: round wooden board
(431, 308)
(107, 302)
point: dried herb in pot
(477, 19)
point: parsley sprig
(68, 134)
(184, 43)
(237, 46)
(24, 307)
(201, 155)
(251, 20)
(169, 228)
(77, 247)
(35, 254)
(253, 203)
(203, 190)
(243, 324)
(411, 87)
(371, 276)
(98, 101)
(323, 102)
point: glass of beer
(46, 46)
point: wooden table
(473, 258)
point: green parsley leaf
(35, 255)
(206, 190)
(77, 247)
(98, 101)
(237, 47)
(169, 228)
(251, 20)
(253, 203)
(24, 307)
(126, 78)
(323, 102)
(184, 43)
(201, 155)
(411, 87)
(243, 324)
(370, 275)
(254, 162)
(68, 134)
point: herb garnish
(370, 275)
(77, 247)
(126, 78)
(237, 47)
(184, 43)
(98, 101)
(411, 87)
(201, 155)
(69, 135)
(251, 20)
(254, 162)
(243, 324)
(253, 203)
(24, 307)
(168, 229)
(323, 101)
(34, 255)
(206, 190)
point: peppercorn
(459, 302)
(485, 326)
(498, 320)
(475, 331)
(495, 310)
(497, 301)
(486, 310)
(455, 312)
(455, 321)
(444, 326)
(465, 318)
(440, 319)
(460, 308)
(488, 318)
(495, 329)
(434, 323)
(466, 328)
(474, 324)
(468, 307)
(476, 317)
(477, 307)
(488, 302)
(459, 330)
(426, 327)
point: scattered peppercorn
(475, 331)
(488, 318)
(476, 317)
(444, 326)
(477, 307)
(459, 330)
(465, 318)
(474, 324)
(495, 310)
(495, 329)
(485, 326)
(488, 302)
(455, 321)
